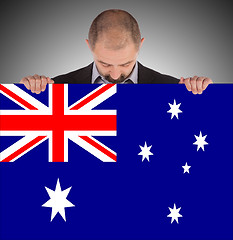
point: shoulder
(147, 75)
(82, 75)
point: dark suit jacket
(145, 75)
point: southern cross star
(174, 109)
(200, 141)
(186, 168)
(174, 213)
(145, 152)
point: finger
(193, 82)
(50, 80)
(206, 82)
(188, 84)
(25, 82)
(38, 84)
(32, 82)
(181, 80)
(199, 84)
(43, 82)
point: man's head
(114, 39)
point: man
(114, 39)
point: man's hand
(196, 84)
(36, 83)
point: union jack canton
(58, 122)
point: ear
(142, 40)
(87, 42)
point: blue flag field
(116, 162)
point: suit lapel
(85, 76)
(142, 74)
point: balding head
(115, 28)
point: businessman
(114, 39)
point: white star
(174, 213)
(174, 109)
(58, 200)
(186, 168)
(145, 152)
(200, 141)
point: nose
(115, 73)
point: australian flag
(116, 162)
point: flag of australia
(129, 161)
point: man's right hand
(36, 83)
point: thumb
(181, 80)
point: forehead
(122, 55)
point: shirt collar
(133, 76)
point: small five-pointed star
(174, 213)
(58, 201)
(174, 109)
(145, 152)
(186, 168)
(200, 141)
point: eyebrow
(111, 64)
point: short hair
(114, 19)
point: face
(115, 65)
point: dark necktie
(128, 82)
(99, 80)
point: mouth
(119, 80)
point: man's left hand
(196, 84)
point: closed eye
(105, 65)
(125, 65)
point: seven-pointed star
(174, 213)
(174, 109)
(145, 152)
(58, 200)
(200, 141)
(186, 168)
